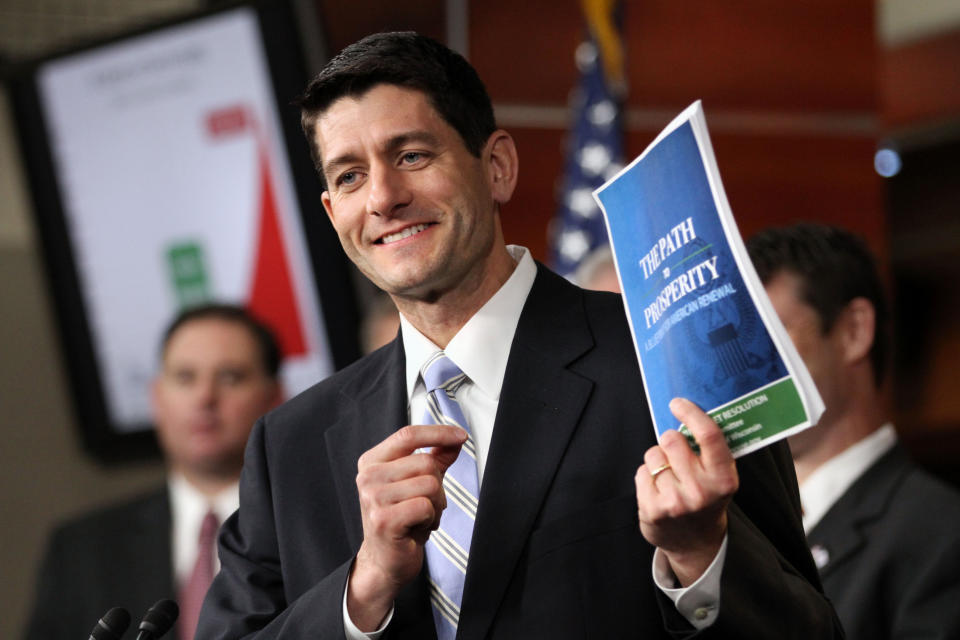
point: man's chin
(217, 465)
(412, 286)
(410, 277)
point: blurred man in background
(218, 375)
(882, 531)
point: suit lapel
(149, 542)
(540, 406)
(377, 397)
(839, 534)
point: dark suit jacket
(892, 545)
(556, 549)
(114, 557)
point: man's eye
(231, 377)
(183, 377)
(347, 178)
(411, 157)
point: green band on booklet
(759, 415)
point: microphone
(158, 620)
(112, 625)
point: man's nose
(388, 191)
(207, 390)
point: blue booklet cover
(702, 325)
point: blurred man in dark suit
(883, 532)
(218, 375)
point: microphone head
(112, 625)
(159, 618)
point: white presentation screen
(175, 187)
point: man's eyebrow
(420, 136)
(344, 159)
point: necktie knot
(440, 372)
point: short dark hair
(406, 59)
(264, 337)
(835, 266)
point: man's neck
(833, 435)
(210, 485)
(440, 318)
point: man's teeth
(406, 233)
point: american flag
(595, 143)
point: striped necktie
(448, 548)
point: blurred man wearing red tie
(218, 375)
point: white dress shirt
(481, 349)
(187, 510)
(822, 488)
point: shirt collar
(482, 345)
(831, 480)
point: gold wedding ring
(659, 470)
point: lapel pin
(820, 555)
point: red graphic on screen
(271, 297)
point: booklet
(702, 324)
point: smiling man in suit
(492, 472)
(883, 532)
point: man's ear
(327, 206)
(157, 404)
(857, 326)
(500, 156)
